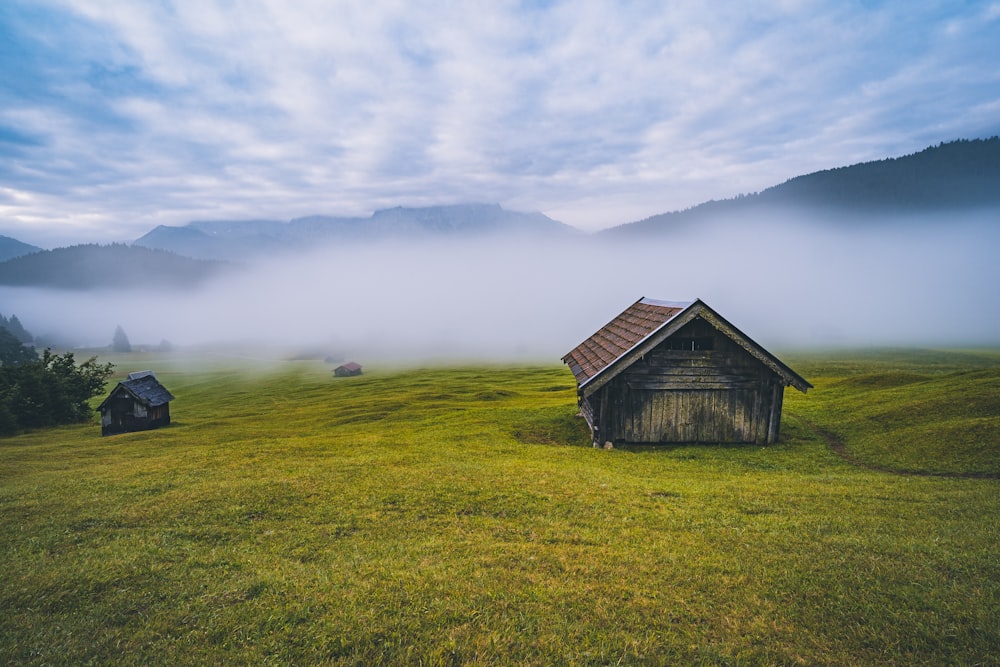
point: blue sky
(119, 116)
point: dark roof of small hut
(350, 366)
(644, 325)
(146, 389)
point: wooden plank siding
(721, 394)
(668, 371)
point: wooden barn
(667, 371)
(138, 403)
(347, 370)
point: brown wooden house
(667, 371)
(138, 403)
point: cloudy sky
(118, 116)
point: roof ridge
(666, 303)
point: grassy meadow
(456, 515)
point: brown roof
(643, 326)
(619, 336)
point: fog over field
(784, 283)
(128, 120)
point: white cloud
(602, 112)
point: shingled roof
(620, 335)
(644, 325)
(146, 389)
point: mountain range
(244, 239)
(955, 177)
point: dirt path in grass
(838, 447)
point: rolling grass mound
(459, 516)
(928, 423)
(883, 380)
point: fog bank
(785, 284)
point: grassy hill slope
(925, 412)
(451, 516)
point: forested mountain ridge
(109, 266)
(959, 174)
(962, 175)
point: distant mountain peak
(238, 228)
(11, 248)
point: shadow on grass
(552, 426)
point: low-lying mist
(785, 283)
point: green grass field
(459, 515)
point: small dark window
(690, 344)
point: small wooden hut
(667, 371)
(347, 370)
(138, 403)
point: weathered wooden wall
(124, 414)
(721, 394)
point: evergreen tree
(119, 343)
(14, 326)
(13, 351)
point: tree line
(49, 389)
